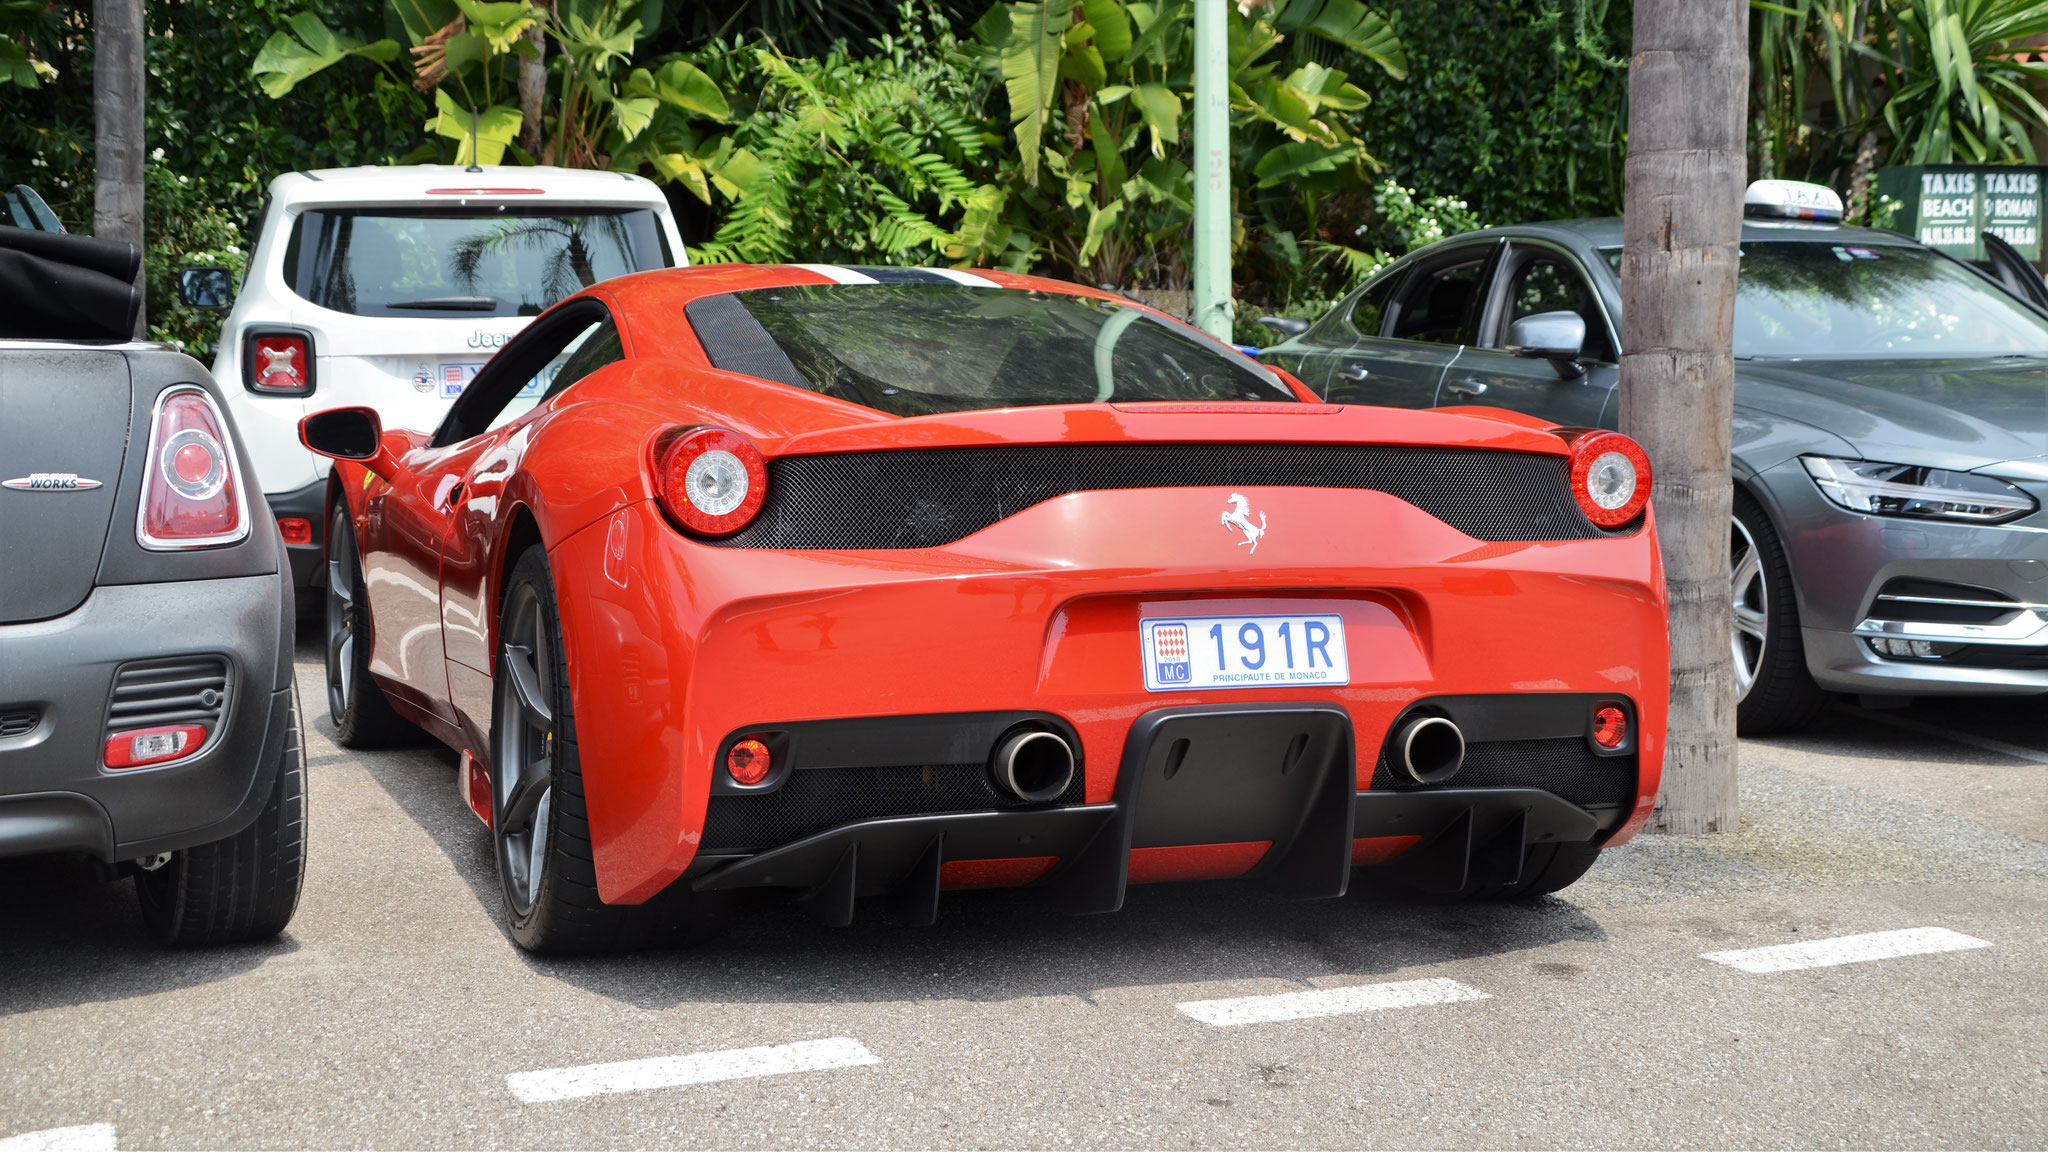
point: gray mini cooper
(1891, 433)
(148, 716)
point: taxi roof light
(1792, 200)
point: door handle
(1358, 372)
(1466, 388)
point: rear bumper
(308, 561)
(675, 647)
(54, 793)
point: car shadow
(1005, 943)
(69, 937)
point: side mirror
(1285, 325)
(1549, 335)
(344, 434)
(207, 289)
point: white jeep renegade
(390, 287)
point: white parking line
(1985, 742)
(77, 1138)
(696, 1068)
(1846, 950)
(1329, 1002)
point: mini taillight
(278, 363)
(191, 489)
(1610, 726)
(295, 530)
(153, 745)
(712, 480)
(748, 762)
(1610, 477)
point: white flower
(156, 154)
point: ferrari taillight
(1610, 726)
(713, 481)
(1610, 477)
(191, 489)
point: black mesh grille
(1565, 768)
(928, 498)
(816, 799)
(184, 690)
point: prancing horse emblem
(1240, 517)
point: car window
(1369, 310)
(1552, 284)
(464, 264)
(594, 349)
(915, 349)
(514, 380)
(1435, 304)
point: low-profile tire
(362, 715)
(244, 887)
(539, 827)
(1774, 691)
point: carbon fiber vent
(929, 498)
(180, 690)
(1565, 768)
(19, 721)
(816, 799)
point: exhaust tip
(1032, 765)
(1429, 749)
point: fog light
(748, 762)
(1913, 649)
(153, 745)
(295, 530)
(1610, 726)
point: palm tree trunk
(117, 35)
(1683, 209)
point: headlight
(1925, 493)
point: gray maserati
(1891, 430)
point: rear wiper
(450, 303)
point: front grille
(813, 800)
(1938, 602)
(1564, 767)
(925, 499)
(18, 721)
(180, 690)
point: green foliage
(184, 227)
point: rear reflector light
(295, 530)
(191, 488)
(153, 745)
(1610, 477)
(278, 363)
(711, 480)
(748, 762)
(1610, 726)
(486, 191)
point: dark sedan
(1891, 435)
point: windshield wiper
(450, 303)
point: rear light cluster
(1610, 477)
(277, 363)
(713, 481)
(1610, 726)
(748, 762)
(191, 487)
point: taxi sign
(1792, 200)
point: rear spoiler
(63, 287)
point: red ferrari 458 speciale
(878, 582)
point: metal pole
(1212, 309)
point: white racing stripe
(696, 1068)
(78, 1138)
(1329, 1002)
(967, 278)
(838, 275)
(1846, 950)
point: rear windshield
(466, 263)
(919, 349)
(1828, 301)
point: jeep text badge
(50, 482)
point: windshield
(461, 265)
(1822, 301)
(918, 349)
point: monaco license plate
(1243, 651)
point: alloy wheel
(522, 753)
(341, 618)
(1751, 602)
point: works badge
(50, 482)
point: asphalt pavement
(1864, 963)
